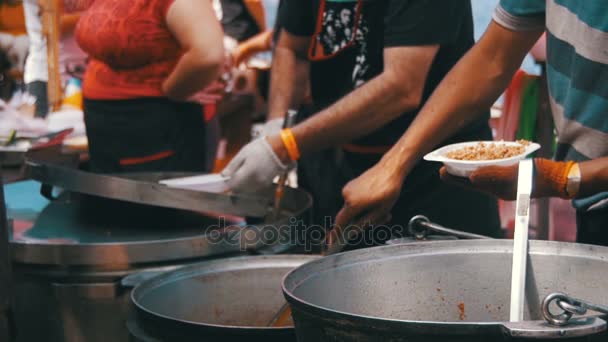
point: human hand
(369, 199)
(272, 127)
(254, 167)
(256, 44)
(214, 93)
(550, 179)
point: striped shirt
(577, 70)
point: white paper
(204, 183)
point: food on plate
(489, 151)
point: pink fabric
(539, 51)
(507, 124)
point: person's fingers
(241, 55)
(446, 177)
(232, 167)
(358, 222)
(345, 230)
(238, 55)
(346, 215)
(374, 217)
(214, 87)
(238, 182)
(497, 180)
(208, 98)
(343, 219)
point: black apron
(145, 135)
(324, 175)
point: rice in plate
(464, 158)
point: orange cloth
(132, 50)
(12, 19)
(552, 177)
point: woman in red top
(149, 59)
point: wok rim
(435, 246)
(186, 272)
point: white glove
(254, 167)
(272, 127)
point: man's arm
(397, 89)
(461, 98)
(594, 177)
(261, 42)
(289, 76)
(550, 179)
(464, 95)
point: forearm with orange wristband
(551, 179)
(291, 145)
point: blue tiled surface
(23, 200)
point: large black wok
(442, 291)
(231, 299)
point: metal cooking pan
(222, 300)
(442, 291)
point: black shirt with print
(382, 24)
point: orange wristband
(289, 140)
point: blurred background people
(144, 84)
(242, 19)
(71, 58)
(242, 105)
(14, 44)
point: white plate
(463, 168)
(205, 183)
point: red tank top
(131, 48)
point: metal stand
(6, 319)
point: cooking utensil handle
(520, 240)
(288, 121)
(570, 307)
(46, 190)
(419, 226)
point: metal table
(6, 330)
